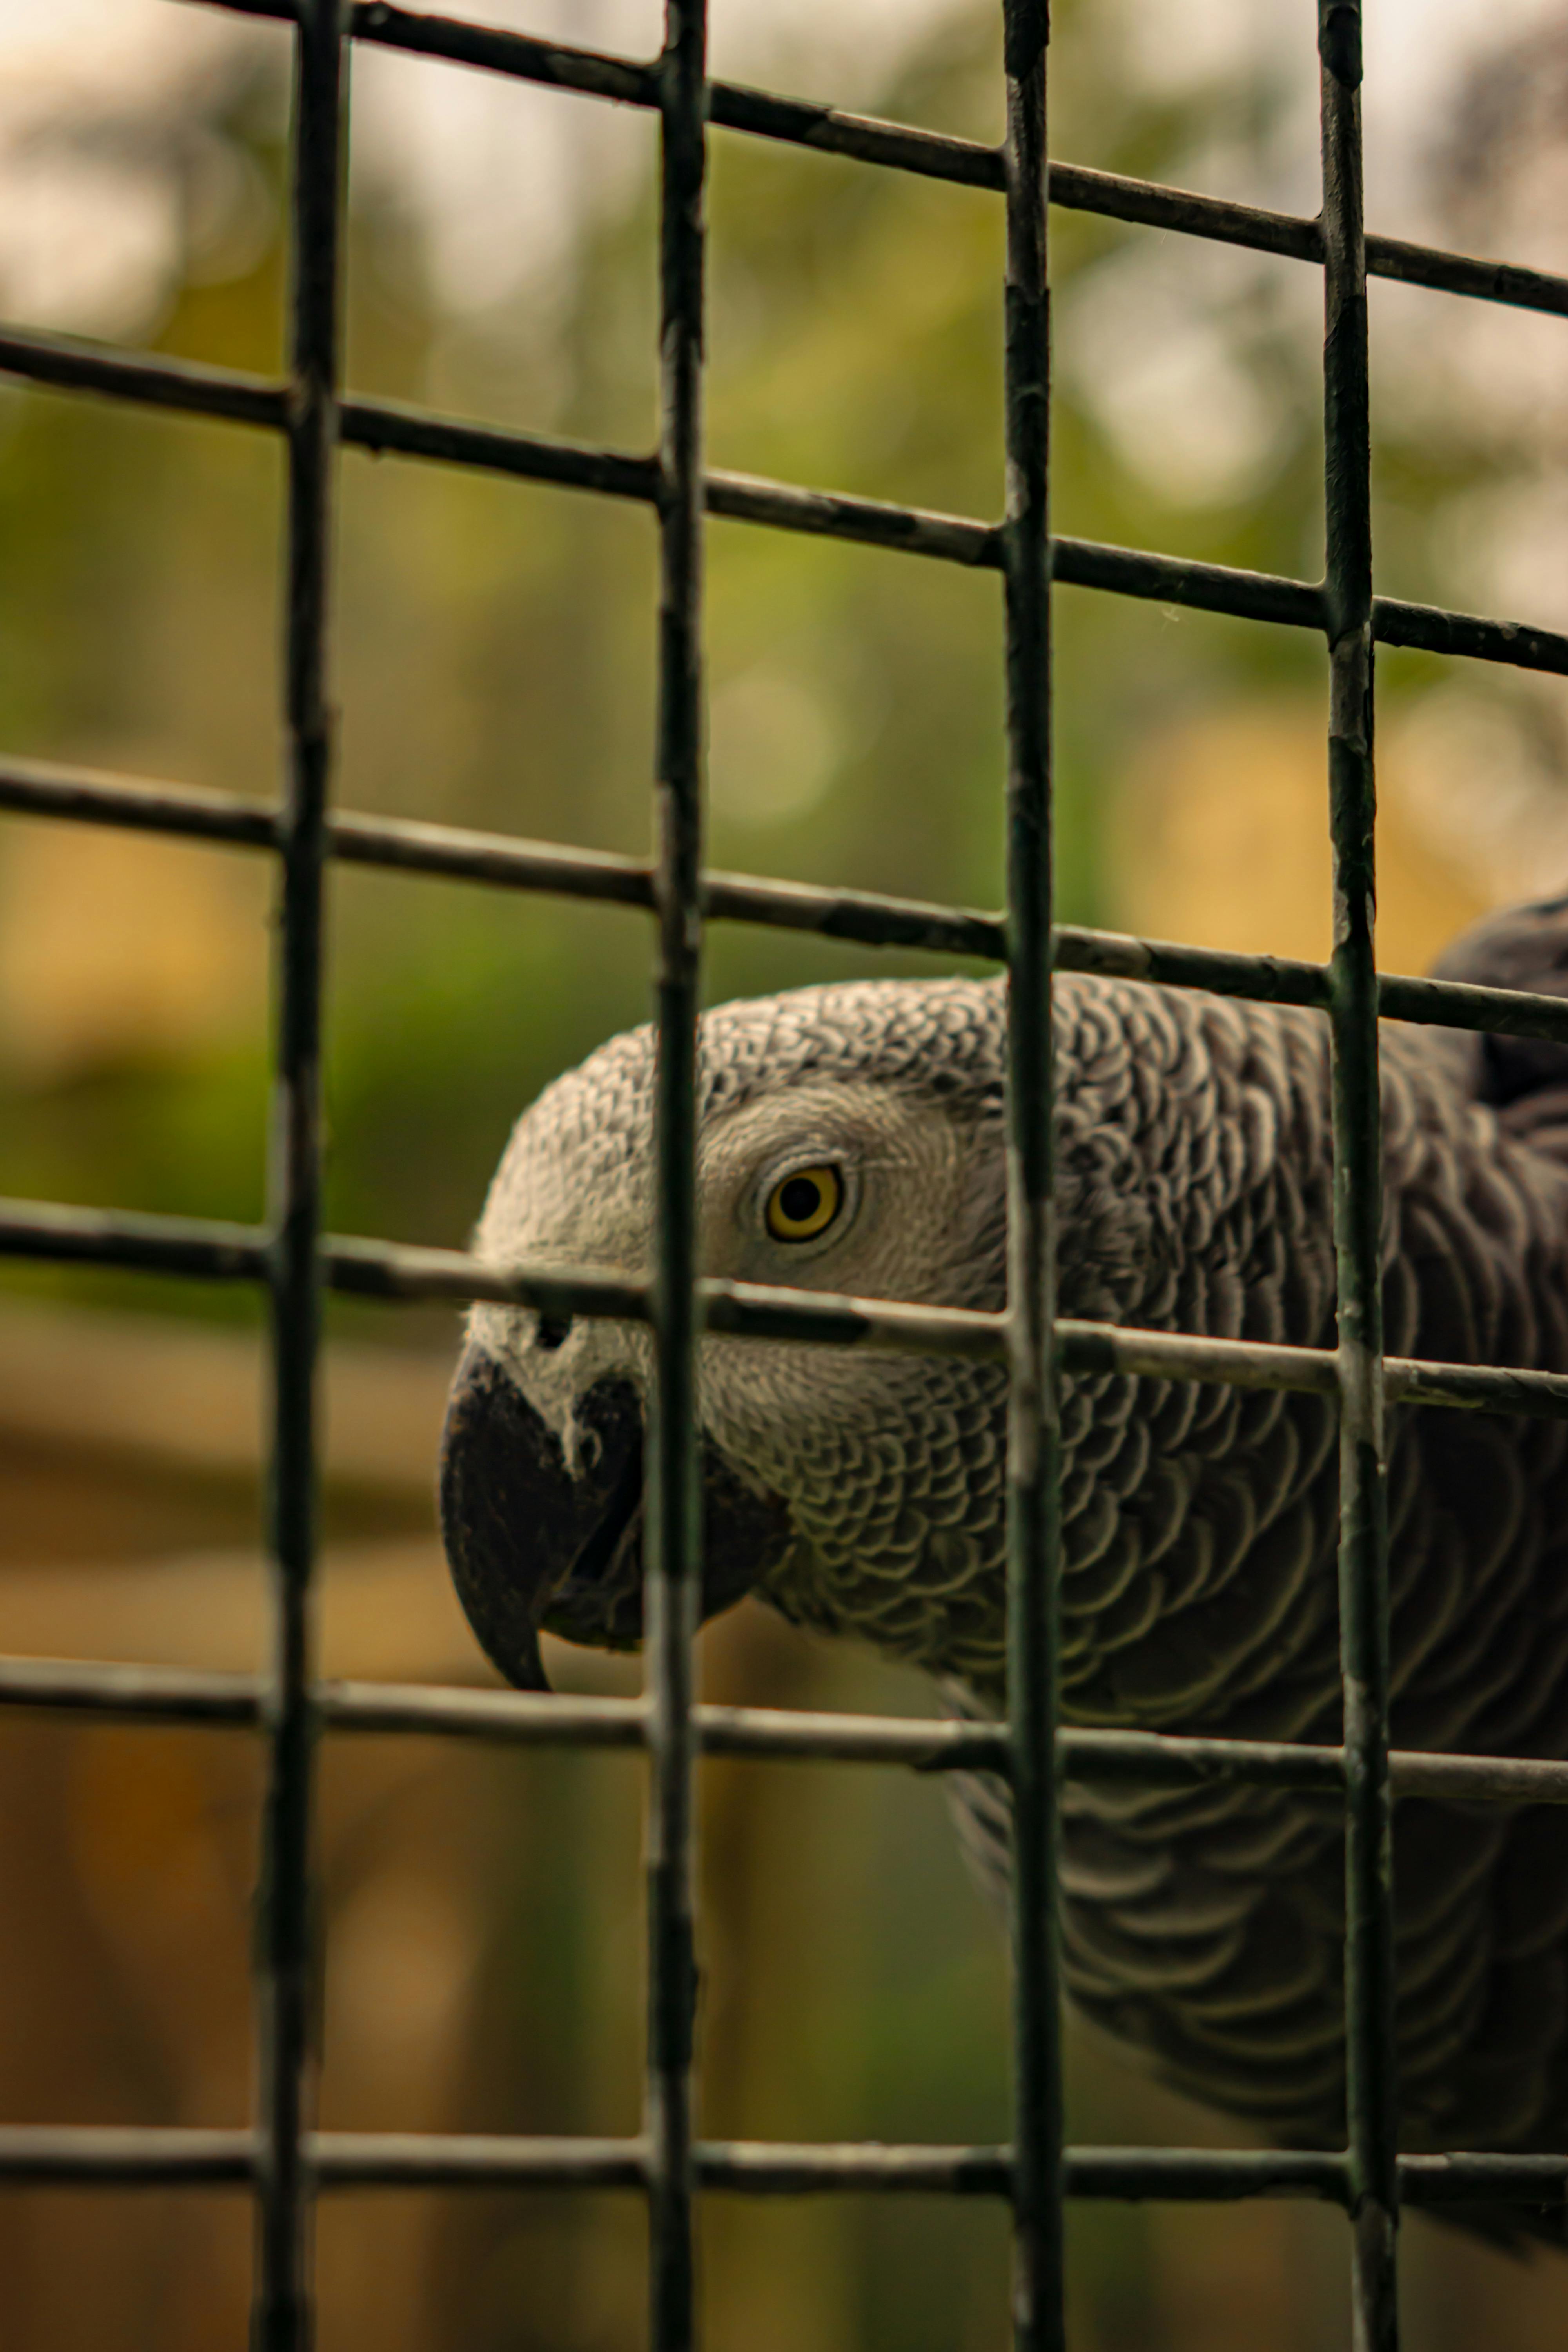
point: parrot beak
(529, 1544)
(516, 1523)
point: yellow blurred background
(494, 664)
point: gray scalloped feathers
(1202, 1927)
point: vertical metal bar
(674, 1517)
(281, 2319)
(1371, 2055)
(1033, 1445)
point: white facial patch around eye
(843, 1187)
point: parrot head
(849, 1140)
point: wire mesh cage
(280, 2157)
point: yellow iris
(803, 1203)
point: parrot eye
(803, 1203)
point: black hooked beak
(529, 1544)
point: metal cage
(283, 2162)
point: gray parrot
(850, 1139)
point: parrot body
(850, 1139)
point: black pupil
(801, 1199)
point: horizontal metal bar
(389, 427)
(868, 522)
(1428, 628)
(1461, 1005)
(864, 139)
(48, 2155)
(65, 362)
(756, 1311)
(1462, 273)
(68, 363)
(1477, 2177)
(90, 796)
(1245, 1363)
(931, 155)
(1281, 979)
(371, 1270)
(778, 2169)
(1299, 604)
(167, 1696)
(454, 852)
(128, 2157)
(95, 2155)
(732, 105)
(1483, 1779)
(592, 73)
(1174, 580)
(153, 1695)
(630, 82)
(383, 425)
(1297, 238)
(955, 538)
(1204, 2175)
(1177, 2175)
(413, 2160)
(175, 1695)
(868, 917)
(200, 1248)
(516, 1718)
(1151, 204)
(1266, 979)
(365, 1270)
